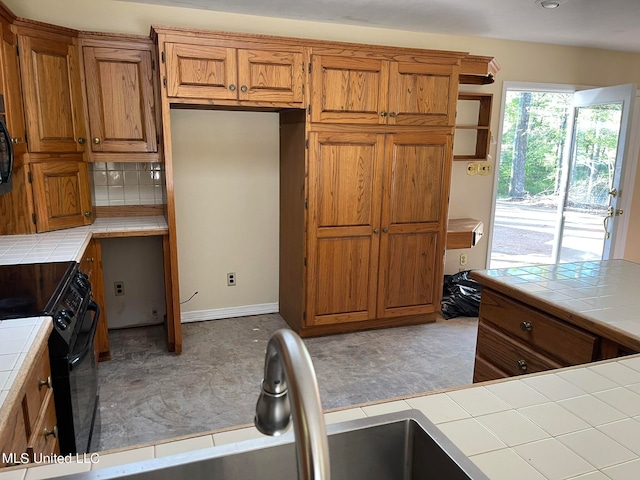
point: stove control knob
(63, 319)
(82, 280)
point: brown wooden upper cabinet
(52, 93)
(376, 220)
(61, 194)
(353, 88)
(120, 99)
(13, 91)
(217, 72)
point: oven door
(83, 381)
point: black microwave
(6, 153)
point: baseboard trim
(229, 312)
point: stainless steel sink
(403, 446)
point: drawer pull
(526, 326)
(522, 365)
(53, 431)
(44, 383)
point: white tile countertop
(602, 297)
(578, 423)
(19, 341)
(69, 244)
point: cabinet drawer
(561, 340)
(43, 438)
(509, 355)
(484, 370)
(37, 388)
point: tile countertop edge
(41, 337)
(620, 335)
(69, 244)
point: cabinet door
(201, 71)
(13, 92)
(348, 89)
(91, 265)
(52, 95)
(270, 76)
(422, 93)
(414, 212)
(120, 100)
(344, 220)
(61, 194)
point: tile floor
(148, 394)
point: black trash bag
(460, 296)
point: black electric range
(59, 290)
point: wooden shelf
(463, 232)
(483, 133)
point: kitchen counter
(20, 339)
(69, 244)
(579, 423)
(601, 297)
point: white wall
(136, 261)
(520, 61)
(226, 178)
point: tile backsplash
(127, 183)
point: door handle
(605, 222)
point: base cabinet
(516, 339)
(91, 265)
(31, 431)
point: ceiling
(608, 24)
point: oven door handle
(73, 361)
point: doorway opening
(560, 170)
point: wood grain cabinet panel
(13, 439)
(52, 95)
(270, 76)
(91, 265)
(347, 89)
(201, 71)
(422, 93)
(217, 72)
(10, 65)
(61, 192)
(350, 88)
(376, 225)
(344, 210)
(120, 100)
(413, 223)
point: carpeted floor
(148, 394)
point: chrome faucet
(290, 388)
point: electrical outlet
(472, 168)
(463, 259)
(231, 279)
(118, 288)
(484, 168)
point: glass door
(592, 176)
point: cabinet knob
(392, 114)
(44, 383)
(96, 140)
(90, 259)
(82, 140)
(522, 365)
(244, 88)
(383, 114)
(385, 230)
(16, 140)
(376, 230)
(526, 326)
(88, 213)
(53, 431)
(232, 87)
